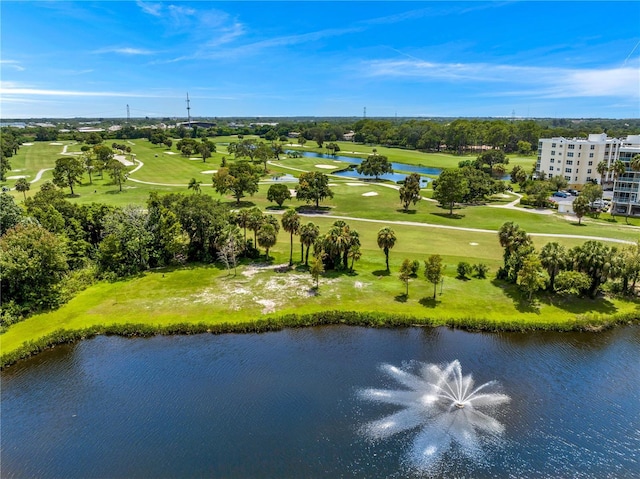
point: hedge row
(587, 322)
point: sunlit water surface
(290, 404)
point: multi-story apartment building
(576, 159)
(626, 190)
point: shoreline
(592, 323)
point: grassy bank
(206, 298)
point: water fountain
(443, 404)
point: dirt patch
(268, 292)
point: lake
(290, 404)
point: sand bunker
(326, 167)
(473, 244)
(209, 172)
(17, 177)
(170, 153)
(370, 193)
(56, 144)
(27, 144)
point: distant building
(576, 159)
(626, 190)
(349, 136)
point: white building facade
(626, 190)
(576, 159)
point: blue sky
(537, 59)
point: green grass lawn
(212, 295)
(207, 293)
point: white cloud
(541, 82)
(12, 64)
(150, 8)
(13, 90)
(125, 51)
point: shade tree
(68, 172)
(450, 188)
(239, 179)
(410, 190)
(278, 193)
(374, 165)
(313, 186)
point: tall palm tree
(291, 224)
(602, 169)
(634, 164)
(308, 235)
(553, 257)
(386, 241)
(255, 221)
(617, 168)
(242, 218)
(24, 186)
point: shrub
(415, 267)
(464, 269)
(481, 270)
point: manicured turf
(209, 294)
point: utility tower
(128, 115)
(188, 110)
(365, 112)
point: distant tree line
(459, 135)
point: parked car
(560, 194)
(573, 192)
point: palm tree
(255, 221)
(23, 185)
(355, 254)
(267, 237)
(634, 164)
(242, 218)
(291, 224)
(308, 235)
(617, 168)
(602, 169)
(386, 241)
(194, 185)
(553, 257)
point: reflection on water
(288, 404)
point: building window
(553, 152)
(551, 168)
(567, 170)
(590, 163)
(553, 145)
(570, 154)
(593, 147)
(588, 179)
(589, 171)
(552, 160)
(569, 162)
(571, 147)
(590, 155)
(567, 177)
